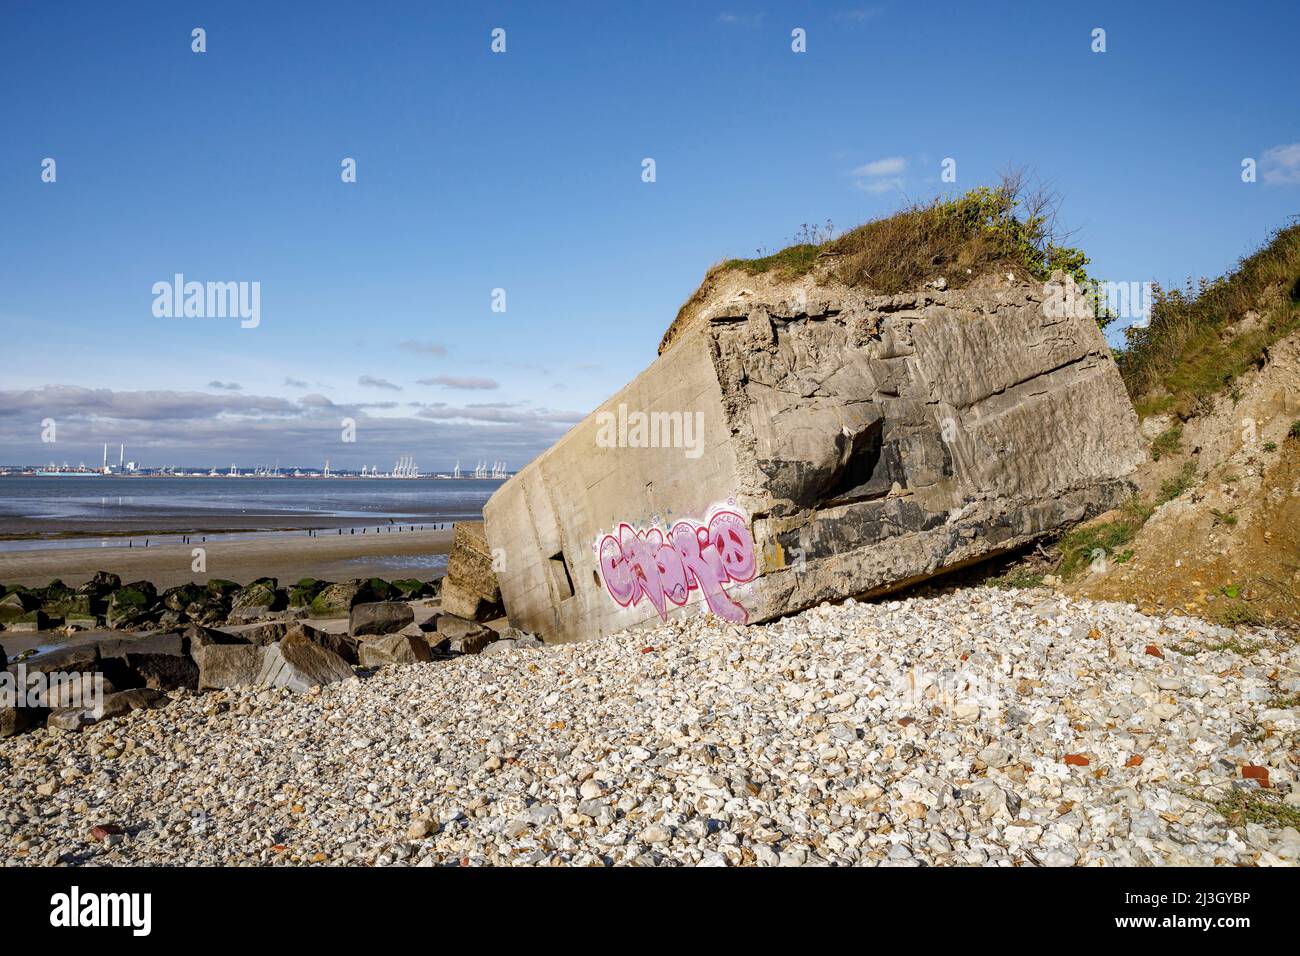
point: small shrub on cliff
(1187, 352)
(1175, 486)
(1168, 442)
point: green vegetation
(1006, 228)
(1258, 806)
(1175, 486)
(1270, 446)
(1185, 354)
(1294, 430)
(1078, 547)
(1016, 578)
(1224, 517)
(1168, 442)
(1237, 614)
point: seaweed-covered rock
(377, 589)
(336, 600)
(305, 591)
(257, 599)
(410, 589)
(221, 588)
(131, 605)
(183, 595)
(101, 584)
(17, 603)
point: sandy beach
(287, 556)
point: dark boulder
(159, 661)
(379, 618)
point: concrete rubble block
(394, 649)
(118, 704)
(462, 636)
(267, 633)
(383, 617)
(470, 563)
(159, 661)
(798, 442)
(343, 645)
(297, 664)
(462, 603)
(31, 622)
(197, 637)
(229, 665)
(14, 720)
(74, 689)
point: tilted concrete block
(797, 443)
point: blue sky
(522, 171)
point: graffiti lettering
(666, 568)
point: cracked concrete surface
(870, 441)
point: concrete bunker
(847, 444)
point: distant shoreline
(329, 556)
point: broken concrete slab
(394, 649)
(383, 617)
(159, 661)
(470, 563)
(197, 636)
(343, 645)
(14, 720)
(462, 636)
(798, 443)
(229, 665)
(113, 705)
(298, 664)
(462, 603)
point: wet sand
(287, 556)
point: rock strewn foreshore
(982, 727)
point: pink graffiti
(666, 568)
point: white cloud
(423, 348)
(455, 381)
(740, 20)
(890, 166)
(881, 175)
(371, 382)
(858, 15)
(1280, 165)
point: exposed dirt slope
(1228, 546)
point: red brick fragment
(1259, 774)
